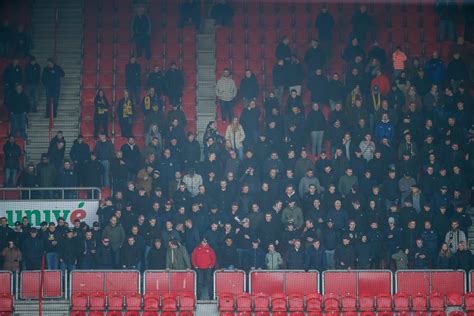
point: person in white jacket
(235, 133)
(226, 90)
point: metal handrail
(97, 192)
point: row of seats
(440, 313)
(167, 302)
(315, 302)
(127, 313)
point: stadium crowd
(383, 180)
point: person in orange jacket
(203, 259)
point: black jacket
(32, 74)
(68, 250)
(12, 153)
(133, 75)
(249, 87)
(130, 256)
(51, 77)
(18, 103)
(344, 257)
(295, 259)
(157, 258)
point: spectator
(455, 236)
(325, 24)
(445, 258)
(190, 12)
(156, 258)
(32, 82)
(361, 23)
(141, 33)
(125, 112)
(68, 252)
(434, 69)
(177, 257)
(12, 153)
(294, 75)
(295, 257)
(33, 250)
(249, 119)
(273, 259)
(315, 57)
(12, 257)
(283, 50)
(94, 172)
(133, 80)
(51, 79)
(318, 85)
(105, 256)
(104, 151)
(279, 79)
(222, 13)
(88, 250)
(399, 58)
(204, 261)
(6, 38)
(447, 11)
(344, 255)
(21, 41)
(236, 135)
(80, 154)
(156, 79)
(226, 92)
(101, 114)
(377, 53)
(46, 173)
(316, 257)
(174, 80)
(462, 259)
(249, 87)
(12, 75)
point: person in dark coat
(80, 153)
(130, 254)
(361, 24)
(32, 82)
(32, 250)
(101, 114)
(314, 57)
(12, 75)
(249, 119)
(132, 157)
(87, 251)
(325, 24)
(67, 178)
(104, 258)
(11, 154)
(18, 105)
(51, 79)
(255, 257)
(363, 253)
(421, 255)
(462, 259)
(248, 87)
(227, 255)
(174, 80)
(295, 257)
(141, 33)
(93, 172)
(156, 259)
(133, 73)
(316, 257)
(46, 173)
(344, 256)
(283, 51)
(68, 252)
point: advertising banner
(39, 211)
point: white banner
(39, 211)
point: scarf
(376, 102)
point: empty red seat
(366, 303)
(151, 302)
(401, 302)
(438, 313)
(150, 313)
(244, 313)
(297, 314)
(454, 299)
(349, 303)
(169, 303)
(314, 302)
(278, 302)
(350, 313)
(295, 302)
(79, 302)
(456, 313)
(132, 313)
(420, 313)
(185, 313)
(244, 302)
(383, 302)
(96, 313)
(368, 313)
(97, 301)
(419, 302)
(331, 302)
(263, 313)
(187, 302)
(72, 313)
(114, 301)
(6, 303)
(133, 301)
(469, 301)
(226, 313)
(260, 302)
(114, 313)
(226, 302)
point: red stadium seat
(261, 302)
(295, 302)
(350, 314)
(419, 302)
(278, 302)
(151, 302)
(401, 302)
(315, 314)
(226, 302)
(187, 302)
(97, 301)
(151, 313)
(297, 314)
(169, 303)
(436, 302)
(115, 302)
(132, 313)
(456, 313)
(366, 303)
(314, 302)
(75, 313)
(244, 302)
(114, 313)
(262, 313)
(348, 303)
(79, 301)
(228, 313)
(420, 313)
(454, 299)
(244, 313)
(6, 302)
(469, 301)
(133, 301)
(331, 302)
(384, 302)
(438, 313)
(368, 314)
(96, 313)
(186, 313)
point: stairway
(69, 55)
(57, 307)
(206, 69)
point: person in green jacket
(177, 257)
(273, 258)
(116, 234)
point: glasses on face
(106, 241)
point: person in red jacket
(204, 260)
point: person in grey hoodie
(273, 258)
(226, 90)
(306, 181)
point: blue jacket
(384, 130)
